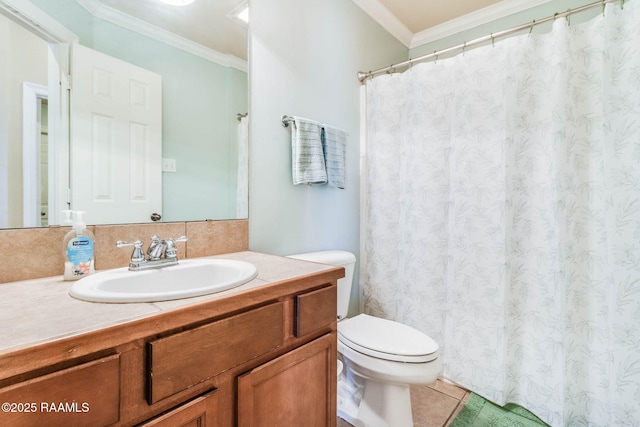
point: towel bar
(286, 120)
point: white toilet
(381, 358)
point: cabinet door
(296, 389)
(199, 412)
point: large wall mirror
(58, 152)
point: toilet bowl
(381, 358)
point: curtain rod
(362, 76)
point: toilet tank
(339, 258)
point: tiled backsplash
(37, 252)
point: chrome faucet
(156, 248)
(161, 253)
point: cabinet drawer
(315, 310)
(84, 395)
(180, 361)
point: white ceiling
(418, 15)
(206, 22)
(417, 22)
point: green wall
(515, 20)
(200, 103)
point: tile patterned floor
(433, 405)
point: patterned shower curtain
(503, 216)
(242, 183)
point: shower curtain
(242, 185)
(502, 212)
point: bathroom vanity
(263, 353)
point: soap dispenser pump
(78, 248)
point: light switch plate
(168, 165)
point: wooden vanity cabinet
(275, 364)
(260, 361)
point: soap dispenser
(78, 248)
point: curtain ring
(436, 55)
(410, 63)
(604, 4)
(391, 69)
(493, 41)
(533, 23)
(568, 17)
(622, 4)
(464, 46)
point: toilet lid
(386, 339)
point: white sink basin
(190, 278)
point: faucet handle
(171, 246)
(156, 248)
(138, 254)
(123, 244)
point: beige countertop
(40, 311)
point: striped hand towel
(306, 152)
(334, 143)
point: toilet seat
(386, 339)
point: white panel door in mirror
(116, 139)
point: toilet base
(369, 403)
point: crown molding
(37, 20)
(389, 22)
(96, 8)
(473, 19)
